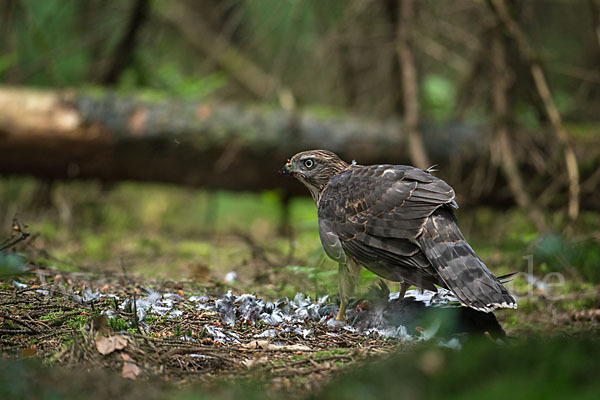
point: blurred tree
(123, 53)
(410, 84)
(374, 59)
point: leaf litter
(180, 331)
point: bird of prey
(398, 222)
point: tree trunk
(410, 85)
(527, 53)
(502, 142)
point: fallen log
(99, 134)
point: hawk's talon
(341, 315)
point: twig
(575, 72)
(295, 372)
(441, 53)
(311, 360)
(199, 350)
(18, 321)
(19, 233)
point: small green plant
(52, 315)
(118, 324)
(151, 318)
(77, 321)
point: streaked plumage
(396, 221)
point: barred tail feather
(458, 266)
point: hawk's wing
(396, 221)
(375, 213)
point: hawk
(398, 222)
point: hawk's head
(314, 168)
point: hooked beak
(287, 169)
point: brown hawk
(397, 221)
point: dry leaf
(249, 362)
(29, 351)
(130, 370)
(106, 345)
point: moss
(330, 352)
(52, 315)
(297, 357)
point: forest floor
(140, 291)
(178, 333)
(144, 329)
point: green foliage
(118, 324)
(52, 315)
(77, 322)
(581, 257)
(11, 264)
(438, 97)
(6, 62)
(557, 368)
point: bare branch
(441, 53)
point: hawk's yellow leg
(403, 288)
(348, 275)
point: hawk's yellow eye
(309, 163)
